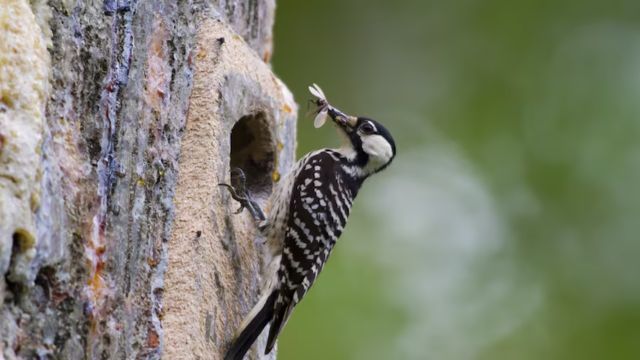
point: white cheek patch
(378, 148)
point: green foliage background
(507, 228)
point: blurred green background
(507, 227)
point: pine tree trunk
(118, 119)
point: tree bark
(117, 121)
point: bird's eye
(367, 128)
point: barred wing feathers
(319, 207)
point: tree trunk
(117, 121)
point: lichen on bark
(24, 71)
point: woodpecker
(309, 210)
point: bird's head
(367, 142)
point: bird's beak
(347, 122)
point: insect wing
(320, 119)
(317, 92)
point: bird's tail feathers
(280, 318)
(252, 327)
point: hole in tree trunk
(252, 150)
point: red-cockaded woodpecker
(309, 210)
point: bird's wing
(318, 214)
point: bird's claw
(240, 194)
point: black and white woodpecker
(309, 210)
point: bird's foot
(239, 192)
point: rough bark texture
(117, 120)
